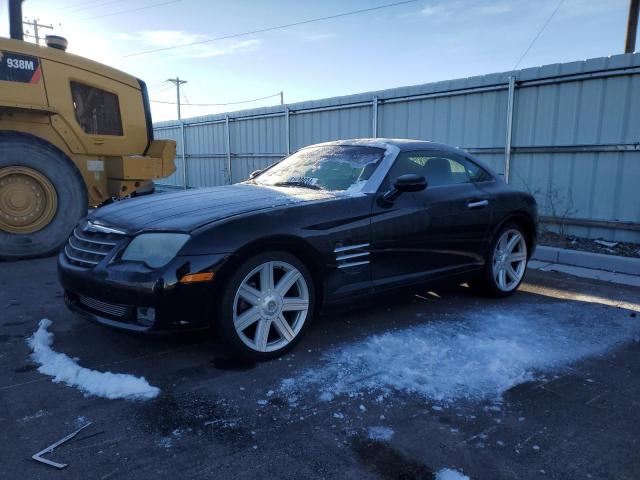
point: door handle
(478, 203)
(98, 141)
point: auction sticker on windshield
(304, 180)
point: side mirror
(405, 183)
(254, 174)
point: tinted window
(331, 167)
(97, 111)
(438, 168)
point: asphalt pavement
(219, 418)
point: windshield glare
(332, 167)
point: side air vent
(352, 255)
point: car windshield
(330, 167)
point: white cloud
(445, 10)
(317, 37)
(436, 10)
(240, 47)
(151, 39)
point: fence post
(287, 129)
(374, 117)
(228, 134)
(184, 156)
(509, 129)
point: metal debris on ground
(39, 458)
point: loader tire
(42, 197)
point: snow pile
(478, 356)
(380, 433)
(91, 382)
(449, 474)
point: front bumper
(111, 294)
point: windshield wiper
(297, 184)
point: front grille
(88, 248)
(110, 309)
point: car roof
(404, 144)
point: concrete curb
(595, 261)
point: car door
(440, 230)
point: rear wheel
(42, 197)
(506, 262)
(266, 306)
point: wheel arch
(291, 244)
(526, 222)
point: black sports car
(331, 222)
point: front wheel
(42, 197)
(266, 305)
(506, 262)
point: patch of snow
(261, 402)
(338, 415)
(604, 243)
(38, 414)
(91, 382)
(436, 408)
(380, 433)
(165, 442)
(449, 474)
(326, 397)
(475, 356)
(80, 421)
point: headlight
(155, 249)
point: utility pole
(183, 142)
(177, 82)
(35, 23)
(632, 26)
(281, 98)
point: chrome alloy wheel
(271, 306)
(509, 260)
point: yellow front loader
(73, 134)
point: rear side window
(97, 111)
(439, 168)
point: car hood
(187, 210)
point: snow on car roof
(401, 143)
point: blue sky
(425, 41)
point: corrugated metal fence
(568, 133)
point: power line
(89, 7)
(219, 104)
(153, 5)
(535, 39)
(80, 4)
(278, 27)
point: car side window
(97, 111)
(439, 168)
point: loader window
(97, 111)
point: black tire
(486, 283)
(224, 323)
(23, 150)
